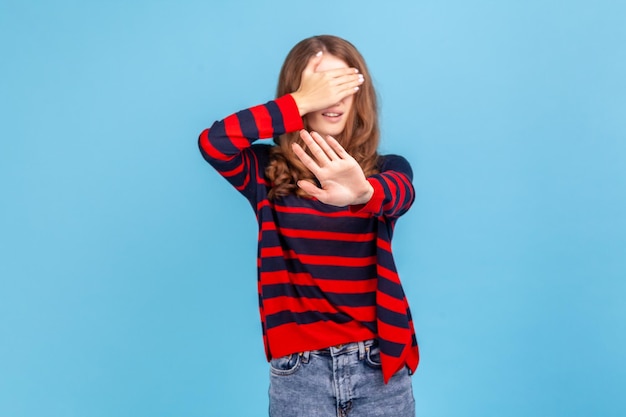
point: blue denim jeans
(341, 381)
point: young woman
(336, 324)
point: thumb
(310, 188)
(313, 63)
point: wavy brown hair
(361, 134)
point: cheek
(309, 120)
(348, 104)
(315, 118)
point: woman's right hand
(323, 89)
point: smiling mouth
(330, 114)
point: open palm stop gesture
(341, 178)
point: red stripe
(392, 198)
(263, 203)
(284, 277)
(294, 338)
(306, 210)
(317, 305)
(362, 314)
(388, 274)
(268, 226)
(291, 116)
(245, 162)
(402, 189)
(232, 127)
(257, 174)
(391, 365)
(383, 244)
(332, 260)
(413, 358)
(373, 206)
(321, 235)
(390, 303)
(394, 334)
(347, 287)
(233, 172)
(325, 285)
(271, 252)
(209, 149)
(297, 305)
(406, 189)
(263, 121)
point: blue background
(128, 283)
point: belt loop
(361, 350)
(305, 356)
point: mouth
(332, 115)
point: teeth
(332, 114)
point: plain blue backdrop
(127, 270)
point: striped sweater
(326, 274)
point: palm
(341, 179)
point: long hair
(361, 134)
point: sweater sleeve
(393, 189)
(226, 145)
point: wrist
(366, 195)
(300, 103)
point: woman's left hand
(342, 180)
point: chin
(333, 131)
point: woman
(336, 324)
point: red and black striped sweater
(326, 274)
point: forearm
(392, 190)
(228, 137)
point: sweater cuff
(375, 205)
(291, 115)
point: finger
(310, 188)
(305, 159)
(351, 80)
(348, 85)
(348, 78)
(324, 145)
(338, 72)
(316, 150)
(314, 61)
(346, 91)
(337, 148)
(349, 89)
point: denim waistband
(343, 349)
